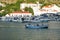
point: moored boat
(37, 26)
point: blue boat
(37, 26)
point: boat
(37, 26)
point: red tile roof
(48, 6)
(21, 12)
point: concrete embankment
(54, 24)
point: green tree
(0, 8)
(3, 13)
(31, 1)
(26, 9)
(29, 9)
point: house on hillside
(35, 7)
(37, 11)
(19, 14)
(50, 9)
(23, 5)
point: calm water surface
(17, 31)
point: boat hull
(36, 27)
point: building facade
(19, 14)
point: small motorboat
(37, 26)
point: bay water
(17, 31)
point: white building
(50, 9)
(37, 10)
(23, 5)
(35, 7)
(2, 5)
(19, 14)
